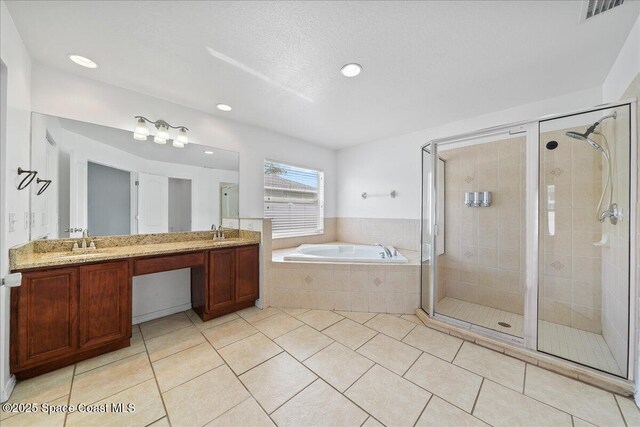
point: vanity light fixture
(351, 70)
(224, 107)
(162, 135)
(83, 61)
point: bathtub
(331, 252)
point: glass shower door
(584, 247)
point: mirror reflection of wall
(105, 181)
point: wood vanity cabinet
(233, 279)
(63, 315)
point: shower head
(584, 137)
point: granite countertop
(25, 257)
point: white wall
(625, 68)
(14, 153)
(65, 95)
(395, 163)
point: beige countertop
(25, 257)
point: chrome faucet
(220, 232)
(386, 250)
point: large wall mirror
(105, 181)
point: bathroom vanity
(71, 307)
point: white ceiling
(277, 63)
(191, 154)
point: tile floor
(307, 367)
(569, 343)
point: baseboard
(160, 313)
(7, 389)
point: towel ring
(47, 183)
(27, 179)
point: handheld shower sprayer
(612, 213)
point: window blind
(293, 199)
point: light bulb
(159, 140)
(139, 136)
(141, 127)
(177, 144)
(163, 132)
(182, 136)
(351, 70)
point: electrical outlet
(12, 222)
(250, 225)
(26, 220)
(33, 219)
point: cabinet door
(45, 311)
(247, 274)
(104, 303)
(221, 279)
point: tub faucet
(386, 250)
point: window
(293, 199)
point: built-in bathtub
(318, 279)
(342, 252)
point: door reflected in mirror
(104, 180)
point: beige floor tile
(389, 398)
(110, 379)
(229, 332)
(303, 342)
(41, 389)
(246, 414)
(197, 321)
(204, 398)
(277, 380)
(412, 318)
(440, 413)
(185, 365)
(162, 422)
(500, 406)
(390, 353)
(147, 403)
(319, 405)
(173, 342)
(137, 346)
(338, 365)
(39, 419)
(164, 325)
(453, 384)
(248, 352)
(435, 342)
(490, 364)
(577, 422)
(372, 422)
(350, 333)
(320, 319)
(357, 316)
(390, 325)
(255, 314)
(279, 324)
(587, 402)
(629, 410)
(294, 311)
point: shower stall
(528, 234)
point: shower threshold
(584, 347)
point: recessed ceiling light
(208, 152)
(351, 70)
(81, 60)
(224, 107)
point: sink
(73, 255)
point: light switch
(12, 222)
(26, 220)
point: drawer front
(167, 263)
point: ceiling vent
(593, 8)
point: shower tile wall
(571, 266)
(484, 254)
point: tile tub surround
(484, 254)
(399, 233)
(361, 287)
(308, 376)
(51, 253)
